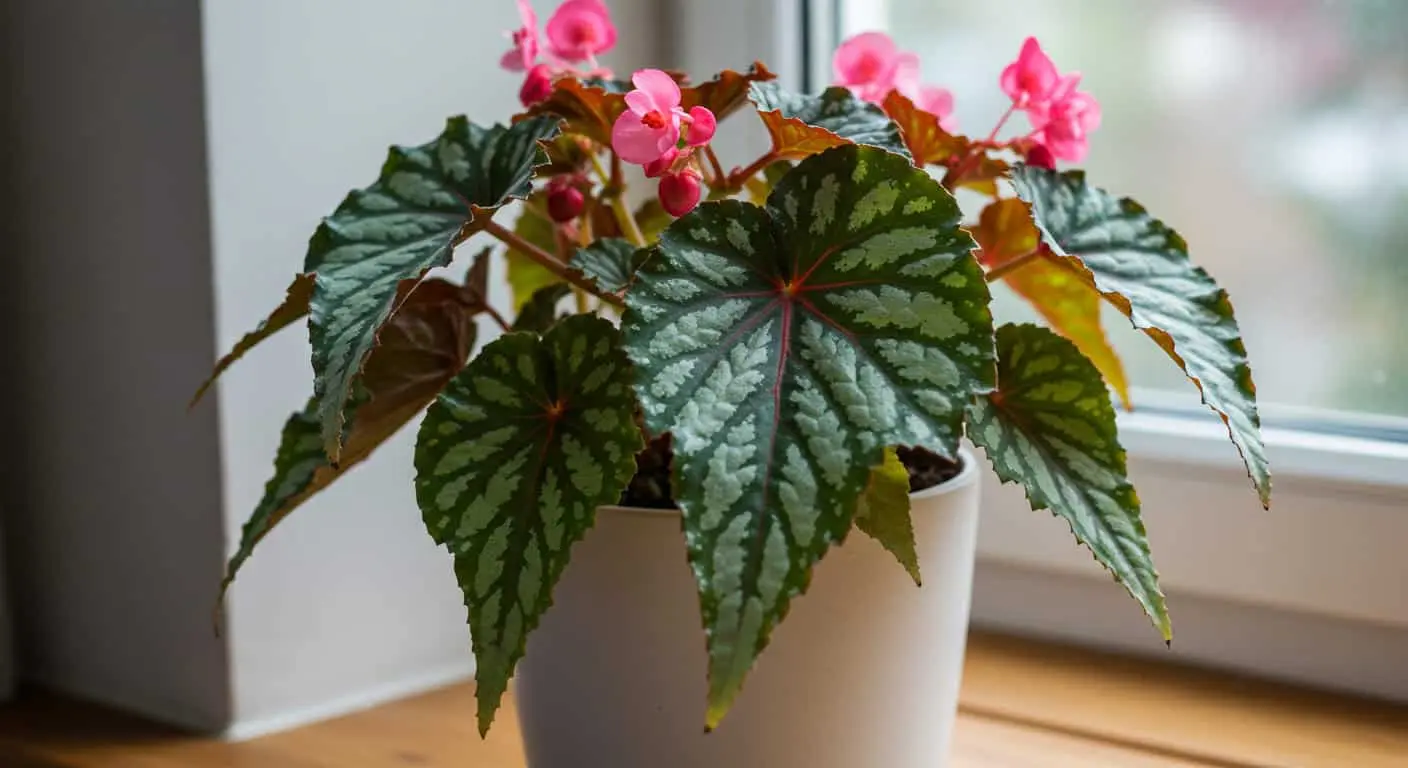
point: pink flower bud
(565, 202)
(537, 85)
(1041, 157)
(659, 166)
(702, 125)
(679, 192)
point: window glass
(1273, 134)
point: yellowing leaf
(883, 512)
(1069, 305)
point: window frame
(1341, 499)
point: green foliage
(802, 125)
(1141, 266)
(610, 262)
(426, 200)
(540, 311)
(1050, 427)
(785, 347)
(883, 512)
(511, 463)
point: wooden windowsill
(1024, 705)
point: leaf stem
(714, 164)
(564, 247)
(497, 318)
(738, 178)
(976, 150)
(616, 190)
(1013, 264)
(546, 261)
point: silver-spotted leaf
(802, 125)
(294, 306)
(785, 347)
(610, 261)
(1050, 427)
(420, 349)
(511, 463)
(1141, 266)
(427, 199)
(883, 512)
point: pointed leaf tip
(748, 322)
(1141, 266)
(1050, 428)
(523, 446)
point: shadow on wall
(110, 489)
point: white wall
(127, 265)
(349, 600)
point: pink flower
(679, 192)
(662, 164)
(936, 101)
(1031, 80)
(867, 64)
(1066, 123)
(702, 125)
(537, 85)
(650, 126)
(580, 29)
(525, 41)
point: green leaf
(526, 276)
(802, 125)
(1070, 305)
(511, 464)
(421, 348)
(1141, 266)
(1050, 427)
(294, 306)
(427, 200)
(540, 312)
(784, 347)
(611, 262)
(883, 512)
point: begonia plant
(790, 352)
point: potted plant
(794, 357)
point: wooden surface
(1025, 705)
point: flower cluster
(871, 66)
(1062, 117)
(577, 31)
(656, 133)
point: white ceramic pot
(864, 671)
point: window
(1274, 135)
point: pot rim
(967, 475)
